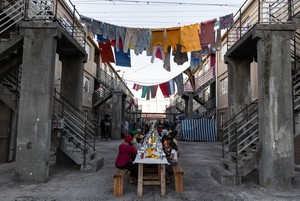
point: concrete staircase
(240, 147)
(76, 135)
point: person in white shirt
(173, 159)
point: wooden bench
(119, 182)
(178, 177)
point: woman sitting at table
(126, 155)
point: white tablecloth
(151, 160)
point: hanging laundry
(196, 59)
(136, 87)
(143, 41)
(100, 38)
(87, 21)
(122, 59)
(97, 27)
(212, 60)
(130, 39)
(179, 56)
(114, 44)
(226, 22)
(171, 87)
(158, 52)
(179, 82)
(217, 42)
(207, 32)
(120, 34)
(153, 91)
(172, 38)
(190, 40)
(144, 92)
(158, 37)
(106, 52)
(164, 89)
(148, 94)
(167, 61)
(109, 31)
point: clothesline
(158, 43)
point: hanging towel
(97, 27)
(135, 87)
(179, 82)
(212, 59)
(148, 94)
(195, 58)
(226, 22)
(144, 92)
(106, 52)
(164, 89)
(207, 32)
(172, 38)
(122, 59)
(153, 91)
(190, 38)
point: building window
(224, 86)
(223, 118)
(86, 84)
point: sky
(154, 14)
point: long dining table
(158, 180)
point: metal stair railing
(240, 135)
(229, 128)
(205, 79)
(62, 11)
(12, 82)
(260, 12)
(11, 15)
(296, 90)
(100, 96)
(76, 123)
(108, 81)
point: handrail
(62, 11)
(260, 12)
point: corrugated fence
(198, 130)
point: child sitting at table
(173, 159)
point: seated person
(126, 156)
(172, 159)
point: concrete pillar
(188, 104)
(276, 165)
(239, 91)
(72, 78)
(116, 115)
(36, 96)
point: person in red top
(126, 155)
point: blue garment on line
(122, 59)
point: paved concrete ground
(69, 184)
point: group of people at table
(157, 143)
